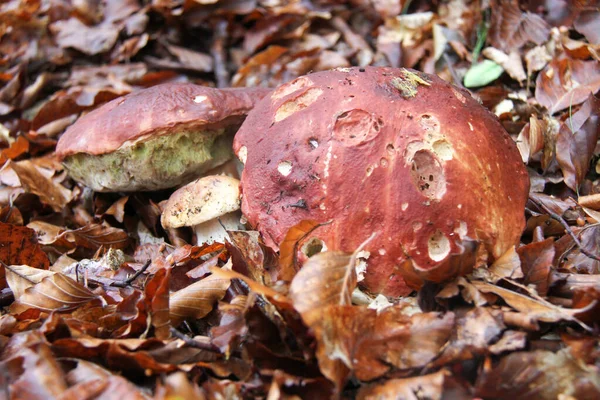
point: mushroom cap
(201, 200)
(155, 138)
(390, 151)
(160, 109)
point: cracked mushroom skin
(155, 138)
(391, 151)
(208, 205)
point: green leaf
(482, 73)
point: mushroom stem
(216, 229)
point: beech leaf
(482, 73)
(198, 299)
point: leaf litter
(98, 301)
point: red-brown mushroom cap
(158, 109)
(384, 150)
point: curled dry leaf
(512, 28)
(421, 387)
(537, 308)
(288, 249)
(507, 266)
(540, 375)
(326, 279)
(198, 299)
(576, 141)
(19, 246)
(21, 277)
(89, 380)
(56, 292)
(157, 293)
(536, 262)
(565, 83)
(252, 257)
(38, 183)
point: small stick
(194, 343)
(219, 54)
(133, 277)
(565, 225)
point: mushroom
(208, 205)
(155, 138)
(389, 151)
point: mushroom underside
(160, 162)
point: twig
(132, 278)
(194, 343)
(565, 225)
(219, 54)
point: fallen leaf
(90, 40)
(512, 28)
(577, 139)
(536, 262)
(482, 74)
(198, 299)
(565, 83)
(19, 246)
(538, 374)
(539, 309)
(429, 387)
(157, 293)
(56, 292)
(288, 248)
(325, 279)
(21, 277)
(508, 265)
(34, 181)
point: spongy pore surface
(389, 151)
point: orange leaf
(19, 246)
(289, 247)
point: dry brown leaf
(536, 262)
(117, 209)
(94, 236)
(539, 309)
(512, 28)
(19, 147)
(156, 292)
(288, 248)
(251, 257)
(325, 279)
(21, 277)
(429, 387)
(540, 375)
(34, 181)
(198, 299)
(565, 83)
(508, 265)
(19, 246)
(54, 293)
(576, 141)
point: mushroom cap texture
(389, 151)
(201, 200)
(161, 108)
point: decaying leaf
(21, 277)
(325, 279)
(19, 246)
(198, 299)
(541, 375)
(56, 292)
(288, 249)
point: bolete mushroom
(208, 205)
(389, 151)
(155, 138)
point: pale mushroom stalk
(215, 230)
(209, 205)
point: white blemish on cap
(200, 99)
(285, 168)
(327, 161)
(243, 154)
(470, 126)
(404, 206)
(381, 252)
